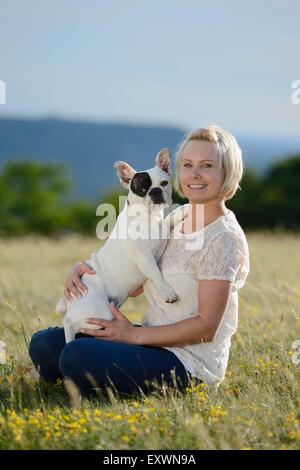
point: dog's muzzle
(156, 196)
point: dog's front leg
(148, 266)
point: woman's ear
(125, 173)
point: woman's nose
(196, 172)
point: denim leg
(130, 368)
(45, 348)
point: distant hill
(89, 149)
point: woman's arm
(213, 296)
(137, 291)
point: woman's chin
(200, 197)
(192, 197)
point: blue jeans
(96, 363)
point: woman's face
(201, 174)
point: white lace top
(222, 254)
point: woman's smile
(197, 187)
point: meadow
(256, 407)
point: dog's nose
(156, 196)
(155, 192)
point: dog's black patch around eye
(164, 183)
(140, 183)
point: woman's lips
(197, 187)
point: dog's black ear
(163, 160)
(125, 173)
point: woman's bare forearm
(137, 292)
(190, 331)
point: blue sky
(181, 63)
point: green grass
(257, 405)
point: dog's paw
(171, 300)
(168, 294)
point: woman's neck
(201, 215)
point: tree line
(34, 198)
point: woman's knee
(46, 343)
(83, 355)
(70, 358)
(74, 364)
(36, 344)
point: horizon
(126, 123)
(160, 64)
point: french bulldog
(124, 263)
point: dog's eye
(164, 183)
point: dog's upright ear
(163, 160)
(125, 173)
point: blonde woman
(191, 337)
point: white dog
(124, 263)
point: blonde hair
(230, 156)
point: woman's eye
(164, 183)
(205, 165)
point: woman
(191, 337)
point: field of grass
(256, 407)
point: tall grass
(257, 406)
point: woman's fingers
(70, 291)
(74, 291)
(80, 269)
(80, 285)
(101, 333)
(74, 287)
(68, 295)
(85, 268)
(99, 322)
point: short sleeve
(226, 258)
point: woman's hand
(74, 286)
(120, 329)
